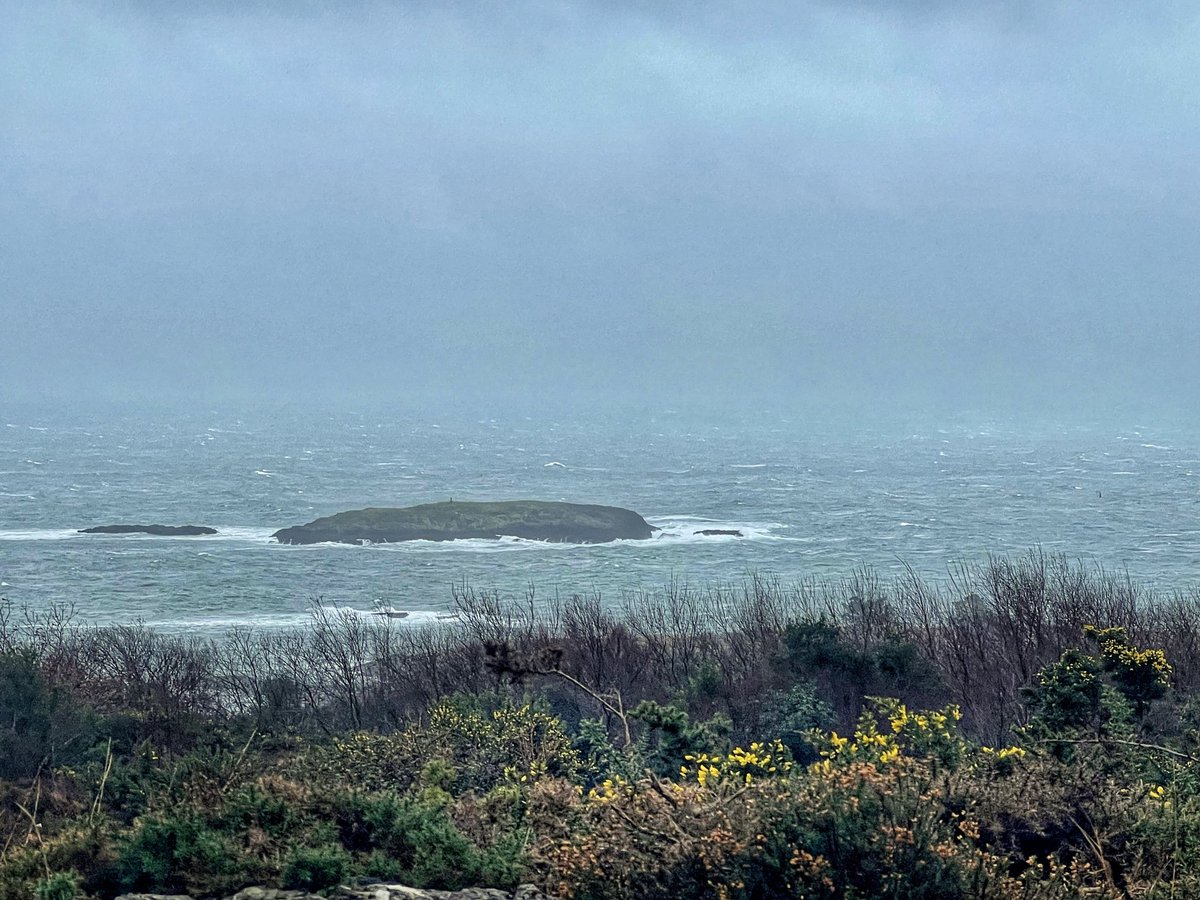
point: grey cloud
(642, 198)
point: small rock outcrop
(159, 530)
(719, 532)
(571, 523)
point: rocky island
(157, 530)
(536, 520)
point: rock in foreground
(535, 520)
(159, 530)
(368, 892)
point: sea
(812, 495)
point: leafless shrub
(985, 630)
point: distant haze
(913, 201)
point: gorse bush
(794, 714)
(1142, 676)
(906, 806)
(486, 746)
(175, 855)
(255, 808)
(1089, 696)
(669, 735)
(480, 745)
(888, 810)
(408, 839)
(58, 886)
(315, 869)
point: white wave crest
(247, 533)
(672, 529)
(294, 619)
(688, 530)
(38, 534)
(255, 534)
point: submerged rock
(159, 530)
(719, 532)
(535, 520)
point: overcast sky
(971, 201)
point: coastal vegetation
(1027, 728)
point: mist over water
(875, 284)
(812, 497)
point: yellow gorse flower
(608, 790)
(925, 734)
(741, 765)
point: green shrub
(886, 812)
(815, 645)
(315, 869)
(1142, 676)
(790, 715)
(505, 864)
(486, 746)
(1067, 695)
(481, 745)
(670, 735)
(177, 855)
(62, 855)
(59, 886)
(255, 807)
(409, 839)
(1098, 697)
(816, 651)
(39, 726)
(601, 759)
(20, 870)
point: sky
(902, 202)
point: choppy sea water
(812, 497)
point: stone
(159, 530)
(403, 892)
(377, 891)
